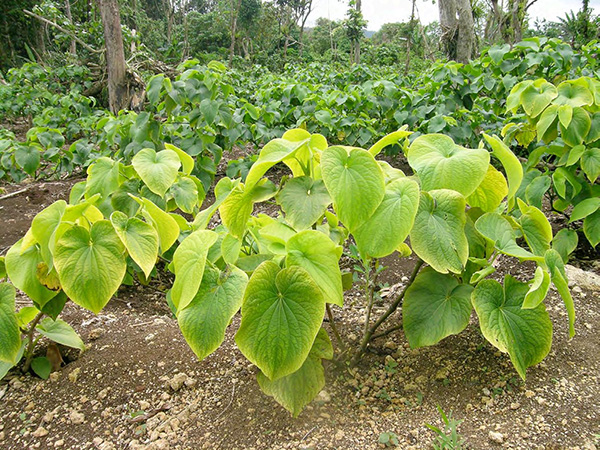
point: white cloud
(378, 12)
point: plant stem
(391, 309)
(31, 342)
(386, 332)
(333, 326)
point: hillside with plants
(228, 226)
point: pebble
(59, 443)
(324, 396)
(40, 432)
(76, 417)
(74, 375)
(496, 437)
(178, 381)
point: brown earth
(140, 386)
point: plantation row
(283, 273)
(144, 170)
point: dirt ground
(139, 385)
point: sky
(378, 12)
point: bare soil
(140, 386)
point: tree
(119, 96)
(458, 36)
(355, 25)
(235, 12)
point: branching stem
(370, 331)
(31, 342)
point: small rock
(40, 432)
(59, 443)
(74, 375)
(582, 278)
(515, 405)
(496, 437)
(97, 441)
(324, 397)
(95, 334)
(177, 381)
(529, 394)
(54, 376)
(144, 405)
(15, 383)
(76, 417)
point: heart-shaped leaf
(435, 306)
(392, 221)
(188, 264)
(157, 170)
(282, 313)
(319, 256)
(204, 321)
(90, 264)
(441, 164)
(355, 182)
(303, 200)
(10, 336)
(525, 334)
(139, 238)
(438, 235)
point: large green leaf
(298, 389)
(185, 194)
(139, 238)
(272, 153)
(303, 200)
(590, 163)
(490, 193)
(157, 170)
(103, 177)
(585, 208)
(511, 164)
(44, 226)
(204, 321)
(525, 334)
(355, 182)
(547, 123)
(22, 268)
(319, 256)
(281, 315)
(591, 228)
(499, 231)
(392, 221)
(187, 162)
(390, 139)
(438, 235)
(558, 276)
(578, 128)
(10, 336)
(222, 190)
(574, 93)
(538, 289)
(441, 164)
(537, 96)
(565, 242)
(165, 225)
(236, 209)
(188, 264)
(435, 306)
(536, 228)
(60, 332)
(90, 264)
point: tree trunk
(234, 18)
(357, 43)
(73, 46)
(458, 35)
(410, 35)
(449, 27)
(466, 31)
(119, 96)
